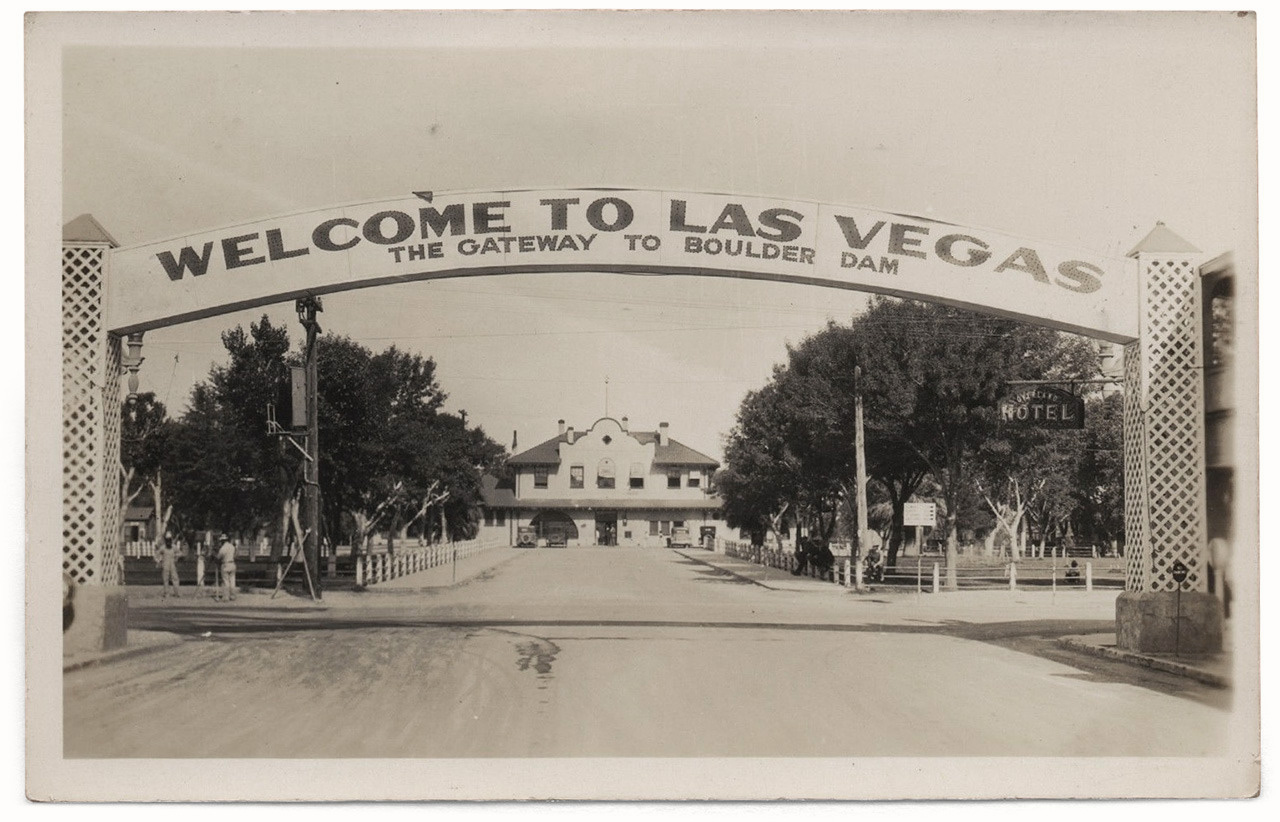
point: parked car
(527, 537)
(680, 538)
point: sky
(1078, 129)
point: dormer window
(673, 479)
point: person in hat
(227, 564)
(167, 560)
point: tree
(1099, 487)
(934, 374)
(145, 431)
(758, 481)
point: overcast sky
(1082, 130)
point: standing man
(167, 559)
(227, 563)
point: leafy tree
(758, 481)
(933, 377)
(1099, 487)
(145, 430)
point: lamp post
(307, 308)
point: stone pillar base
(1149, 622)
(99, 622)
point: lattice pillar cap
(1160, 240)
(85, 229)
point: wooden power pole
(307, 308)
(860, 447)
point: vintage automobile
(527, 537)
(680, 538)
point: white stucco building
(607, 485)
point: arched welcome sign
(427, 235)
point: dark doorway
(607, 528)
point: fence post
(935, 578)
(919, 586)
(1013, 575)
(1088, 576)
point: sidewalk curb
(729, 571)
(762, 584)
(1166, 665)
(118, 655)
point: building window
(488, 517)
(678, 524)
(664, 527)
(605, 474)
(637, 474)
(575, 476)
(637, 482)
(502, 517)
(695, 479)
(673, 479)
(540, 477)
(653, 527)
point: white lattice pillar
(90, 442)
(1164, 464)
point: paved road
(622, 652)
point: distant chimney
(569, 432)
(515, 440)
(663, 437)
(625, 425)
(562, 428)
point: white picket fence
(840, 573)
(372, 569)
(147, 548)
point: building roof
(136, 512)
(496, 493)
(85, 229)
(673, 453)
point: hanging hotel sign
(1043, 406)
(427, 235)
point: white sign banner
(920, 513)
(429, 235)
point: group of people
(166, 558)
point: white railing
(147, 548)
(140, 548)
(784, 560)
(372, 569)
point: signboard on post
(920, 514)
(1043, 406)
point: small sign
(920, 513)
(1043, 406)
(1179, 572)
(298, 397)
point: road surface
(629, 652)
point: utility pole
(860, 448)
(307, 308)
